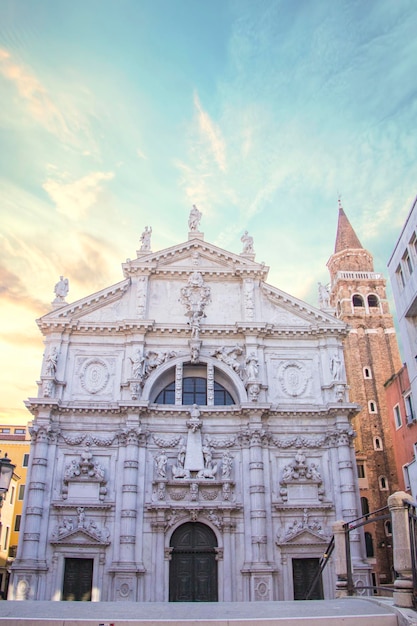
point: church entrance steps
(343, 612)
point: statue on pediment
(61, 289)
(247, 241)
(324, 297)
(145, 239)
(194, 219)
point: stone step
(343, 612)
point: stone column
(229, 528)
(340, 564)
(347, 485)
(257, 498)
(31, 560)
(35, 496)
(129, 500)
(158, 557)
(403, 594)
(260, 570)
(125, 568)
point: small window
(397, 416)
(21, 494)
(365, 506)
(400, 276)
(369, 544)
(413, 245)
(371, 406)
(25, 460)
(19, 431)
(6, 538)
(12, 491)
(17, 523)
(361, 470)
(357, 300)
(409, 409)
(407, 262)
(388, 528)
(378, 443)
(373, 301)
(5, 431)
(367, 372)
(383, 483)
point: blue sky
(119, 114)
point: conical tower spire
(346, 236)
(349, 255)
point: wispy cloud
(75, 198)
(36, 97)
(14, 290)
(212, 134)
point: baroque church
(192, 437)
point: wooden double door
(193, 565)
(78, 579)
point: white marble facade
(260, 452)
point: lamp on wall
(6, 472)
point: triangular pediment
(194, 254)
(305, 536)
(79, 537)
(106, 298)
(290, 311)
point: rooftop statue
(247, 241)
(61, 289)
(194, 219)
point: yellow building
(15, 442)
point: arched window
(367, 372)
(371, 406)
(373, 301)
(369, 544)
(383, 483)
(194, 391)
(378, 443)
(388, 528)
(365, 506)
(357, 300)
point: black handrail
(322, 564)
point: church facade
(191, 437)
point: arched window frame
(357, 301)
(378, 445)
(383, 483)
(364, 505)
(367, 372)
(373, 301)
(372, 408)
(166, 373)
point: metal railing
(322, 564)
(378, 515)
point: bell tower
(358, 295)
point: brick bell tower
(358, 295)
